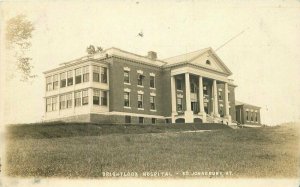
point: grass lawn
(63, 151)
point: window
(140, 79)
(126, 77)
(193, 88)
(178, 84)
(220, 95)
(247, 117)
(140, 100)
(70, 77)
(103, 74)
(78, 76)
(152, 102)
(54, 103)
(152, 82)
(85, 74)
(208, 62)
(205, 92)
(251, 116)
(85, 97)
(48, 105)
(127, 119)
(62, 102)
(141, 120)
(153, 120)
(126, 99)
(49, 83)
(206, 107)
(96, 73)
(179, 104)
(96, 97)
(78, 98)
(55, 82)
(256, 116)
(104, 98)
(69, 100)
(63, 80)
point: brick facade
(247, 114)
(103, 101)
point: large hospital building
(116, 86)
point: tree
(92, 50)
(18, 35)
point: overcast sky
(264, 59)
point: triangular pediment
(210, 60)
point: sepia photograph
(139, 92)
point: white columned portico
(201, 100)
(173, 95)
(188, 111)
(227, 115)
(215, 99)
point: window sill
(179, 90)
(141, 86)
(140, 108)
(152, 88)
(153, 110)
(63, 109)
(127, 83)
(127, 107)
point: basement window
(127, 119)
(141, 120)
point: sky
(264, 58)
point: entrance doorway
(195, 107)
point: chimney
(152, 55)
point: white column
(215, 100)
(201, 97)
(173, 96)
(187, 92)
(201, 113)
(227, 115)
(226, 99)
(188, 114)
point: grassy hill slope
(260, 152)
